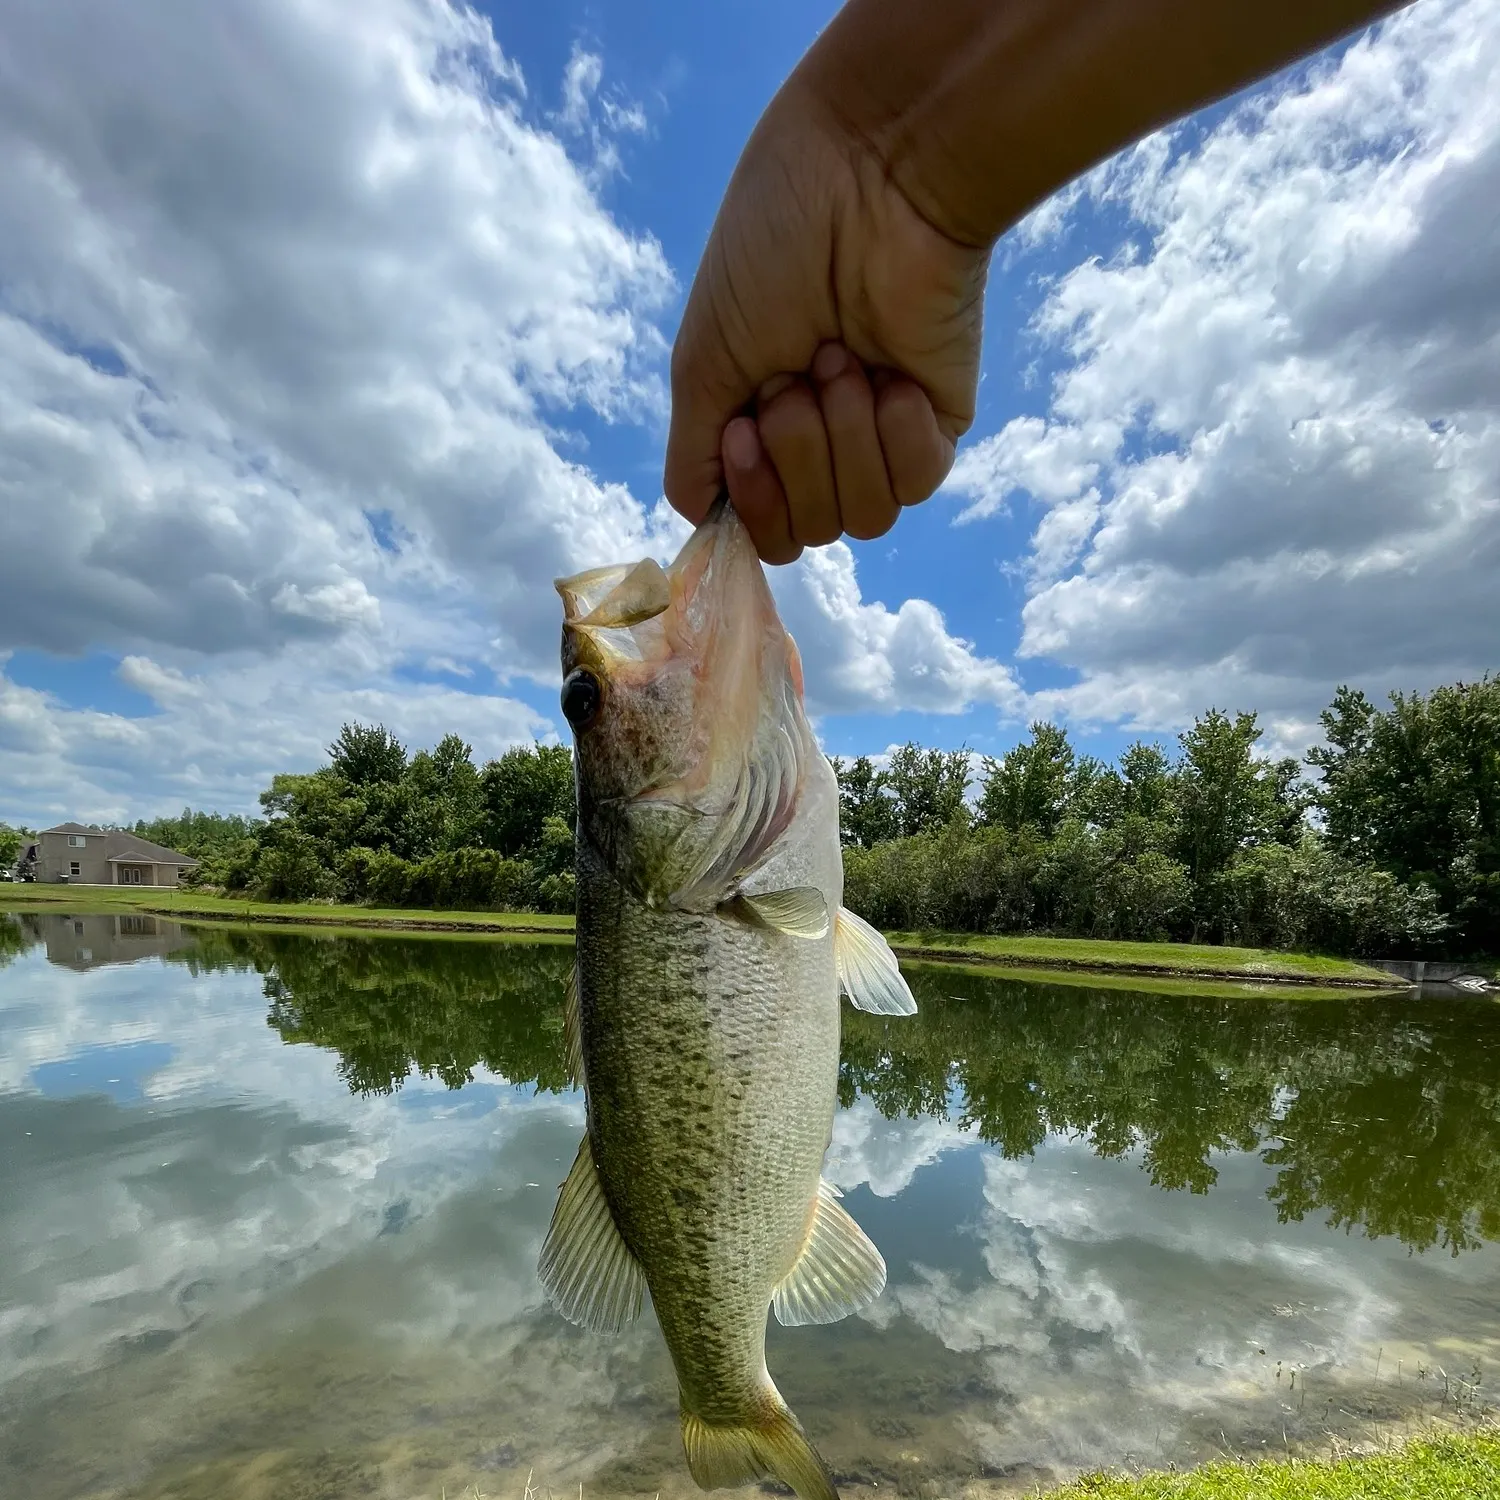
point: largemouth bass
(703, 1017)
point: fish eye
(582, 698)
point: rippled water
(270, 1205)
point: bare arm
(828, 357)
(982, 108)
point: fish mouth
(703, 673)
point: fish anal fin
(772, 1448)
(868, 970)
(572, 1028)
(801, 911)
(838, 1272)
(586, 1268)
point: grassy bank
(1081, 955)
(1186, 959)
(181, 903)
(1459, 1466)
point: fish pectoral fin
(838, 1272)
(586, 1268)
(775, 1448)
(868, 970)
(799, 912)
(572, 1029)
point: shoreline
(1076, 956)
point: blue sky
(329, 334)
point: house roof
(128, 847)
(123, 847)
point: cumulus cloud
(870, 658)
(301, 306)
(1271, 460)
(218, 734)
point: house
(79, 855)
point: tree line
(1395, 846)
(381, 826)
(1392, 846)
(1374, 1117)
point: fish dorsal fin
(838, 1272)
(572, 1029)
(586, 1268)
(800, 911)
(868, 970)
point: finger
(708, 388)
(917, 454)
(756, 494)
(867, 508)
(791, 429)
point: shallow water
(270, 1206)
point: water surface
(270, 1206)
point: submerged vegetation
(1394, 848)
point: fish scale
(711, 1053)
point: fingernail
(742, 444)
(830, 361)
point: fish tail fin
(768, 1447)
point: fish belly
(711, 1063)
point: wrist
(977, 110)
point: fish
(702, 1015)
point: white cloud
(1271, 462)
(218, 736)
(863, 657)
(298, 301)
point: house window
(77, 840)
(73, 868)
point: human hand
(828, 357)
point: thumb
(708, 389)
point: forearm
(982, 108)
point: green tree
(1415, 790)
(1227, 799)
(867, 815)
(10, 845)
(927, 787)
(522, 789)
(444, 803)
(364, 754)
(197, 833)
(1029, 786)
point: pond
(270, 1207)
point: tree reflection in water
(1381, 1111)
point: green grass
(183, 903)
(1059, 955)
(1459, 1466)
(1160, 958)
(1157, 982)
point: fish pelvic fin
(772, 1447)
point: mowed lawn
(1460, 1466)
(1084, 954)
(183, 903)
(1164, 958)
